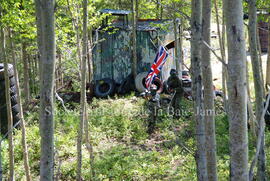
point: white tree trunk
(83, 111)
(45, 9)
(196, 30)
(251, 118)
(258, 83)
(237, 90)
(177, 46)
(24, 144)
(87, 133)
(267, 81)
(181, 29)
(208, 94)
(25, 74)
(9, 110)
(260, 57)
(39, 35)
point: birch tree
(267, 81)
(83, 112)
(237, 90)
(208, 94)
(177, 46)
(22, 121)
(25, 74)
(8, 104)
(196, 30)
(258, 83)
(45, 13)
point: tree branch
(214, 52)
(259, 140)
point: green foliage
(122, 148)
(118, 119)
(222, 126)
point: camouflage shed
(112, 55)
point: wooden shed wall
(112, 57)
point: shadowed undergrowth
(123, 149)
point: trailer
(112, 55)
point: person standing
(175, 84)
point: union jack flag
(156, 67)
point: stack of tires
(108, 87)
(13, 98)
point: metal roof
(115, 11)
(143, 24)
(151, 24)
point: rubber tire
(11, 83)
(15, 109)
(139, 82)
(12, 91)
(13, 96)
(13, 99)
(102, 82)
(2, 84)
(127, 85)
(4, 119)
(2, 72)
(140, 85)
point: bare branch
(61, 100)
(214, 52)
(259, 140)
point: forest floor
(123, 149)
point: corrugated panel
(121, 56)
(107, 57)
(112, 57)
(97, 51)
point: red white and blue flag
(156, 67)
